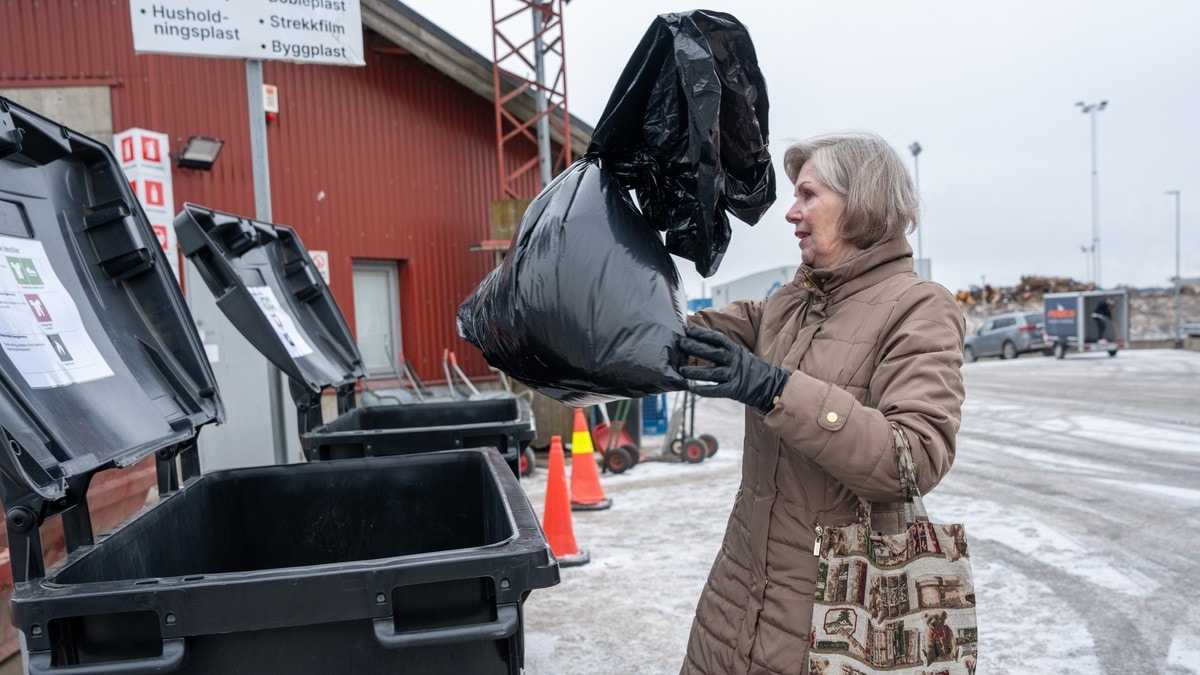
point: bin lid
(266, 283)
(100, 359)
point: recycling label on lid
(280, 320)
(41, 331)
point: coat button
(832, 417)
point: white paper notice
(40, 327)
(280, 320)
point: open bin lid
(266, 283)
(100, 359)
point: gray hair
(881, 203)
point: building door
(377, 314)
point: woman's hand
(736, 373)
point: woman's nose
(793, 214)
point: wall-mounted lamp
(199, 153)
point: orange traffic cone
(556, 521)
(586, 493)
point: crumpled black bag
(686, 128)
(585, 307)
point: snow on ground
(629, 609)
(1184, 652)
(1077, 480)
(1033, 641)
(1000, 522)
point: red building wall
(391, 161)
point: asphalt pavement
(1078, 481)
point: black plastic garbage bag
(686, 128)
(584, 307)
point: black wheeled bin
(408, 563)
(265, 282)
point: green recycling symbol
(25, 271)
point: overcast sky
(987, 89)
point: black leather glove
(736, 373)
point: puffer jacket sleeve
(917, 383)
(738, 320)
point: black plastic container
(502, 423)
(268, 288)
(413, 563)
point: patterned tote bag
(900, 604)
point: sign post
(262, 211)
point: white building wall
(753, 287)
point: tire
(635, 454)
(1008, 351)
(527, 462)
(676, 446)
(617, 460)
(694, 450)
(711, 442)
(1060, 350)
(969, 355)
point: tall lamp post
(1178, 305)
(1091, 109)
(915, 149)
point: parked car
(1008, 336)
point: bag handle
(910, 494)
(914, 505)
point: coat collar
(862, 270)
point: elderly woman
(825, 365)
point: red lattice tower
(526, 34)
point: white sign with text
(305, 31)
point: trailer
(1087, 321)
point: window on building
(87, 110)
(377, 314)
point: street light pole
(915, 149)
(1178, 280)
(1091, 109)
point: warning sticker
(41, 331)
(280, 320)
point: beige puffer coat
(870, 343)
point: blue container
(654, 415)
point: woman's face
(816, 215)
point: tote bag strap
(914, 506)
